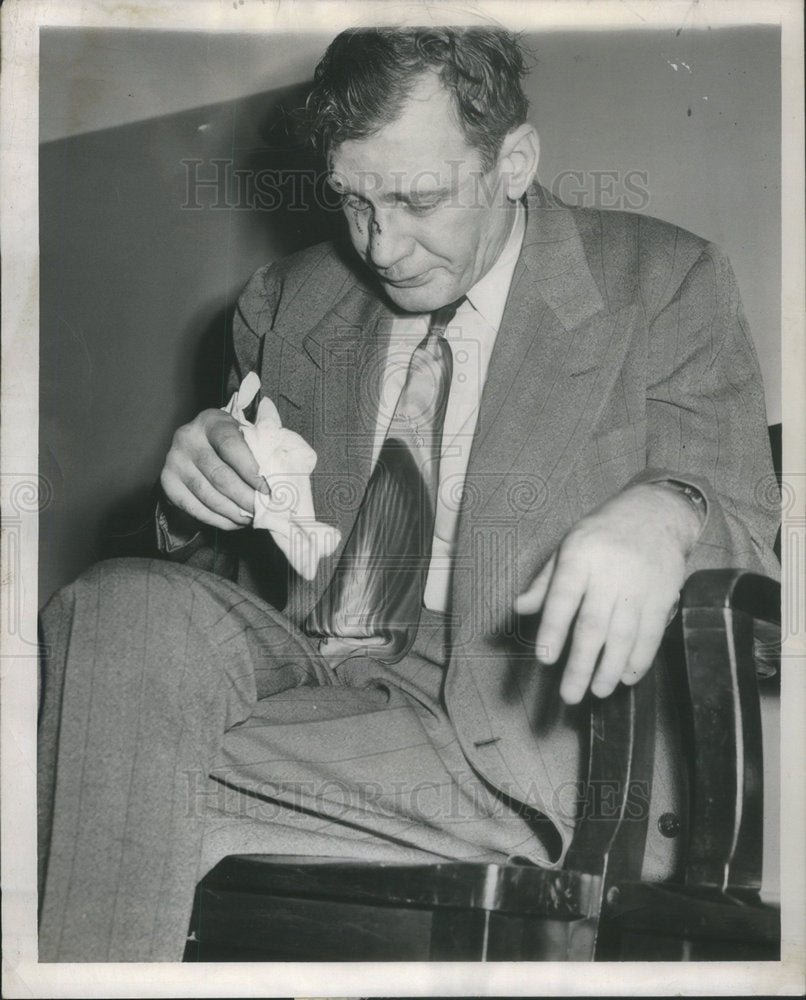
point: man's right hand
(210, 473)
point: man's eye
(356, 204)
(423, 208)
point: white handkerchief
(285, 461)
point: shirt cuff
(178, 534)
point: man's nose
(388, 241)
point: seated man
(531, 423)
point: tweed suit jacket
(623, 356)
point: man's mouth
(412, 282)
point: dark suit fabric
(185, 720)
(622, 357)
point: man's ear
(518, 159)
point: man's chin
(419, 298)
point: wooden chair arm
(726, 635)
(718, 611)
(612, 825)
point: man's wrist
(692, 505)
(694, 497)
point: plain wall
(137, 288)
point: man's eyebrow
(410, 198)
(433, 194)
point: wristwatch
(691, 493)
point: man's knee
(125, 584)
(153, 630)
(117, 607)
(135, 572)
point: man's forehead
(423, 150)
(359, 168)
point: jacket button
(669, 825)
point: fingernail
(264, 487)
(571, 695)
(543, 653)
(246, 514)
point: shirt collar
(489, 295)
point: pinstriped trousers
(183, 720)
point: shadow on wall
(148, 233)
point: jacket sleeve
(707, 421)
(180, 537)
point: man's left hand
(611, 586)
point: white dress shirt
(471, 334)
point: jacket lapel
(555, 358)
(347, 347)
(557, 354)
(335, 379)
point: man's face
(420, 211)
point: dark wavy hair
(366, 74)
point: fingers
(185, 500)
(626, 647)
(649, 637)
(589, 637)
(610, 586)
(614, 634)
(237, 464)
(189, 490)
(531, 600)
(210, 472)
(566, 589)
(618, 645)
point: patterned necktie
(373, 601)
